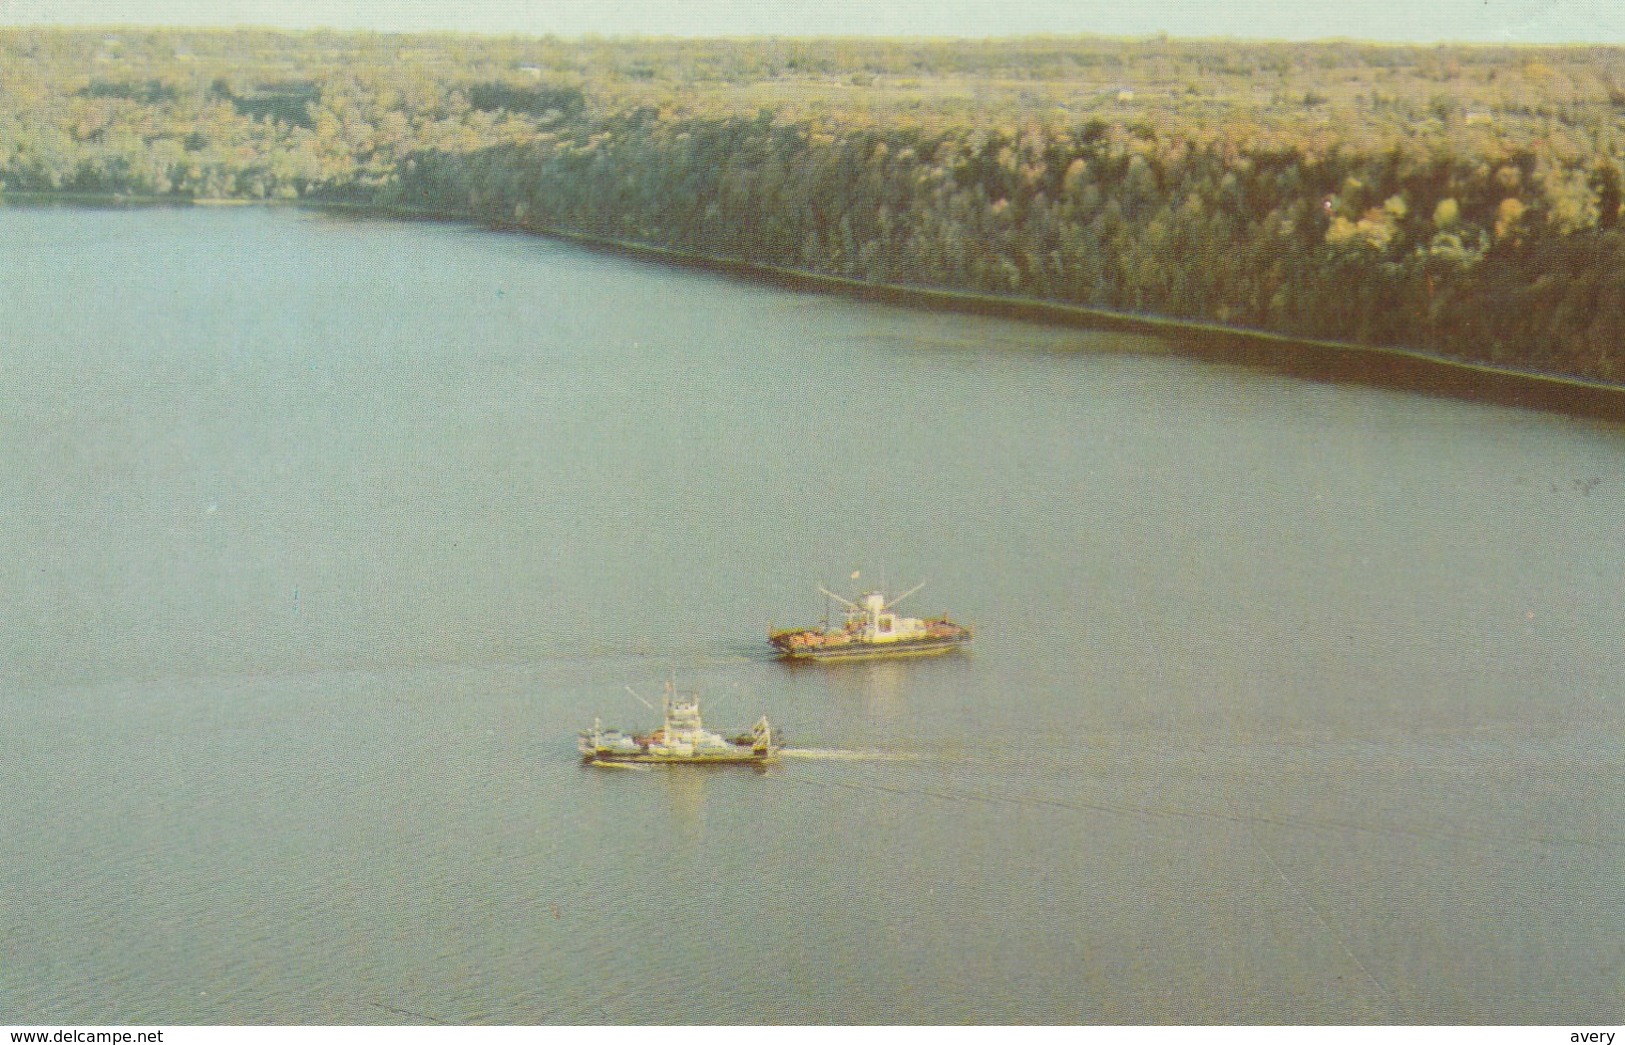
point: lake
(1290, 702)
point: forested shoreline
(1457, 200)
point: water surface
(1290, 702)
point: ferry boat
(871, 631)
(682, 741)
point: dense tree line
(1464, 200)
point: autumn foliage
(1460, 200)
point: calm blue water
(1290, 703)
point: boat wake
(828, 754)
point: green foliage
(1464, 200)
(541, 102)
(287, 103)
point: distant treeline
(1462, 200)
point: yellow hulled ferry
(871, 631)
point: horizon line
(1150, 37)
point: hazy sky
(1532, 21)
